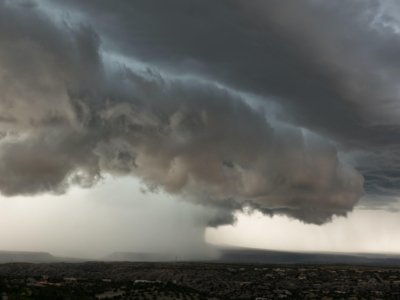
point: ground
(97, 280)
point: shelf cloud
(283, 107)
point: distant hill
(21, 256)
(246, 255)
(227, 255)
(139, 257)
(34, 257)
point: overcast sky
(145, 125)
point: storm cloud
(284, 107)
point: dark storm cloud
(258, 46)
(332, 65)
(300, 52)
(70, 114)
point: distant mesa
(139, 257)
(248, 255)
(34, 257)
(226, 255)
(22, 256)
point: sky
(151, 126)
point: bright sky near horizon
(116, 216)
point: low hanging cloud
(70, 114)
(333, 66)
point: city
(96, 280)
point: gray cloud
(333, 66)
(69, 113)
